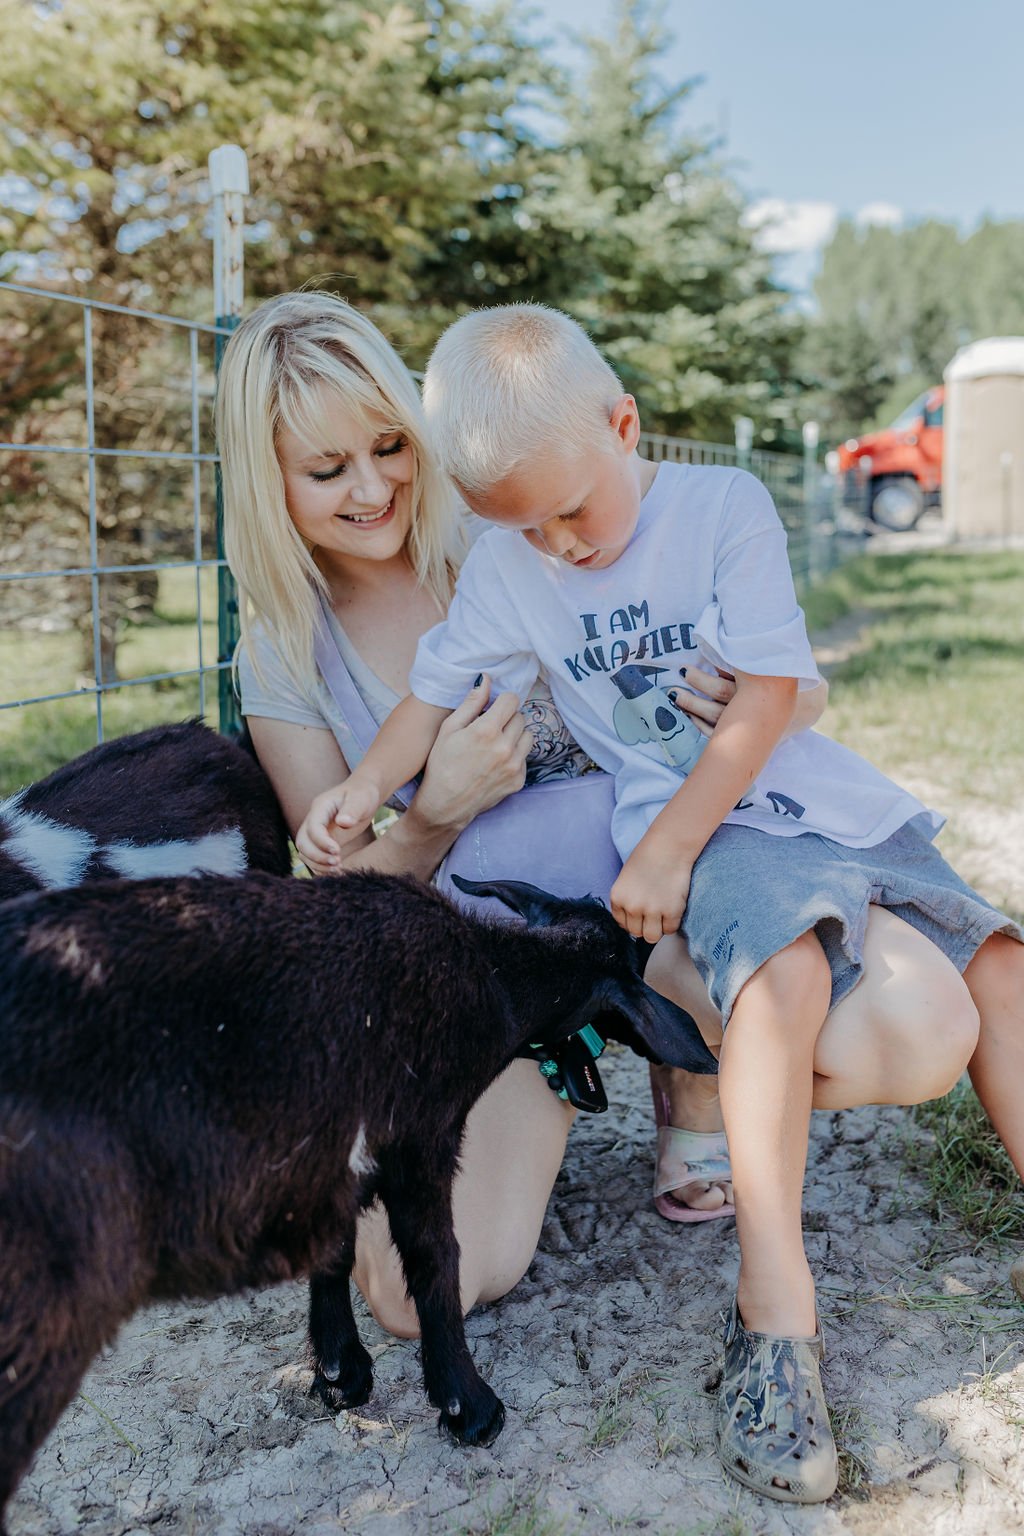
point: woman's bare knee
(392, 1307)
(905, 1033)
(513, 1147)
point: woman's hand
(479, 758)
(720, 690)
(717, 689)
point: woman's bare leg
(904, 1034)
(995, 978)
(513, 1148)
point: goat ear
(539, 907)
(655, 1028)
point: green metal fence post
(810, 493)
(229, 182)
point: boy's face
(581, 508)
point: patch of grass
(613, 1422)
(847, 1427)
(970, 1179)
(995, 1386)
(931, 691)
(517, 1515)
(37, 738)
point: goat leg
(419, 1208)
(38, 1379)
(342, 1368)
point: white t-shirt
(704, 580)
(273, 693)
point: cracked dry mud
(199, 1420)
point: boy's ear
(625, 422)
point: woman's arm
(477, 760)
(397, 753)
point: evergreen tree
(658, 264)
(895, 304)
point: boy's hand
(350, 805)
(649, 897)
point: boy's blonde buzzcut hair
(505, 385)
(281, 369)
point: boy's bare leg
(766, 1081)
(904, 1034)
(995, 978)
(513, 1148)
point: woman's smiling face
(351, 494)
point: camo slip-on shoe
(773, 1428)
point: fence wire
(108, 549)
(116, 609)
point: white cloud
(785, 227)
(886, 214)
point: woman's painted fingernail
(682, 671)
(478, 680)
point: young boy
(605, 572)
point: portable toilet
(983, 440)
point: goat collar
(570, 1068)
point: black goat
(204, 1081)
(173, 800)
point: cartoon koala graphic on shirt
(646, 713)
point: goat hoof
(343, 1387)
(475, 1426)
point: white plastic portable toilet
(983, 440)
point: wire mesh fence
(116, 610)
(805, 497)
(108, 549)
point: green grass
(933, 695)
(972, 1185)
(515, 1515)
(39, 737)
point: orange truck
(896, 473)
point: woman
(331, 497)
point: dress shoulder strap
(346, 695)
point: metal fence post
(809, 434)
(229, 182)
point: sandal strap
(690, 1157)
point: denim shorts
(752, 894)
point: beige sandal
(686, 1158)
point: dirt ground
(199, 1420)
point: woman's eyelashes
(385, 451)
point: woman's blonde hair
(279, 371)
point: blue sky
(886, 112)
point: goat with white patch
(205, 1081)
(172, 800)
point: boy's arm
(398, 752)
(649, 897)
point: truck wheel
(897, 502)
